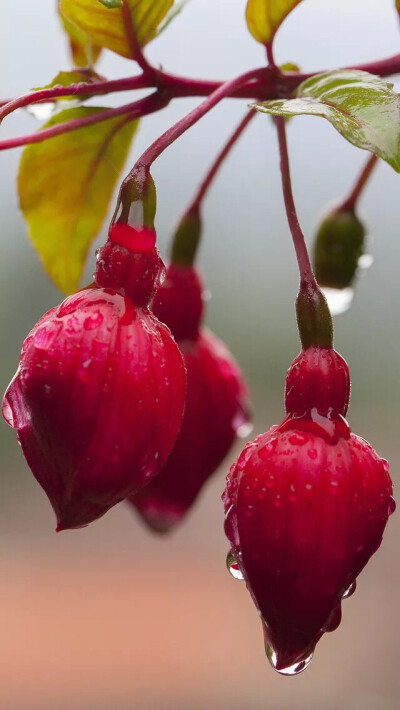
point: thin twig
(135, 110)
(159, 145)
(136, 50)
(349, 204)
(212, 172)
(303, 259)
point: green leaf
(361, 106)
(174, 12)
(84, 53)
(265, 16)
(65, 185)
(105, 25)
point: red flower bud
(306, 506)
(318, 379)
(98, 397)
(215, 409)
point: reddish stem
(349, 204)
(55, 92)
(268, 87)
(135, 110)
(303, 259)
(205, 185)
(159, 145)
(313, 316)
(270, 55)
(136, 50)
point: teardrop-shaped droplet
(365, 261)
(7, 412)
(12, 408)
(294, 669)
(233, 567)
(334, 619)
(244, 430)
(392, 505)
(241, 425)
(339, 299)
(350, 591)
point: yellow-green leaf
(106, 26)
(65, 185)
(264, 17)
(84, 53)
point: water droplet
(392, 505)
(385, 465)
(298, 439)
(233, 567)
(294, 669)
(339, 299)
(350, 590)
(42, 338)
(73, 325)
(334, 619)
(365, 261)
(47, 390)
(8, 412)
(244, 430)
(93, 321)
(312, 454)
(266, 451)
(244, 457)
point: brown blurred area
(112, 617)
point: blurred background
(112, 617)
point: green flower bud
(338, 246)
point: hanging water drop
(243, 430)
(339, 299)
(233, 567)
(7, 412)
(294, 669)
(365, 261)
(349, 591)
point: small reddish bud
(98, 397)
(318, 379)
(179, 303)
(129, 263)
(216, 407)
(306, 506)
